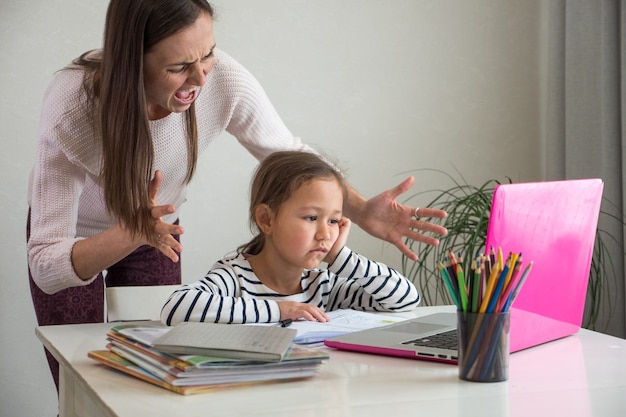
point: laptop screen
(552, 223)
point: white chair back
(136, 303)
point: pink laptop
(552, 223)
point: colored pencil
(518, 287)
(514, 257)
(491, 283)
(462, 287)
(493, 301)
(511, 283)
(476, 290)
(448, 282)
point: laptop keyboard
(445, 340)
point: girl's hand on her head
(163, 239)
(296, 311)
(342, 239)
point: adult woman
(112, 169)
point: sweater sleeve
(219, 298)
(362, 284)
(56, 186)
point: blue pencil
(518, 287)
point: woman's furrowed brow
(191, 62)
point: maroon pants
(145, 266)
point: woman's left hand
(383, 217)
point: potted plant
(468, 207)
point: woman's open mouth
(185, 97)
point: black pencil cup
(483, 346)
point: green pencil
(448, 282)
(462, 288)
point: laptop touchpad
(415, 328)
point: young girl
(296, 207)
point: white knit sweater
(67, 202)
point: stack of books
(192, 358)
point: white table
(580, 375)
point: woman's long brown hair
(114, 82)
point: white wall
(385, 87)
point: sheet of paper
(341, 322)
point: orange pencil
(514, 257)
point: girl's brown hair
(277, 178)
(115, 85)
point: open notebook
(551, 223)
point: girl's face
(176, 67)
(307, 224)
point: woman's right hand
(96, 253)
(163, 239)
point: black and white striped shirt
(231, 293)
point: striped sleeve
(220, 297)
(362, 284)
